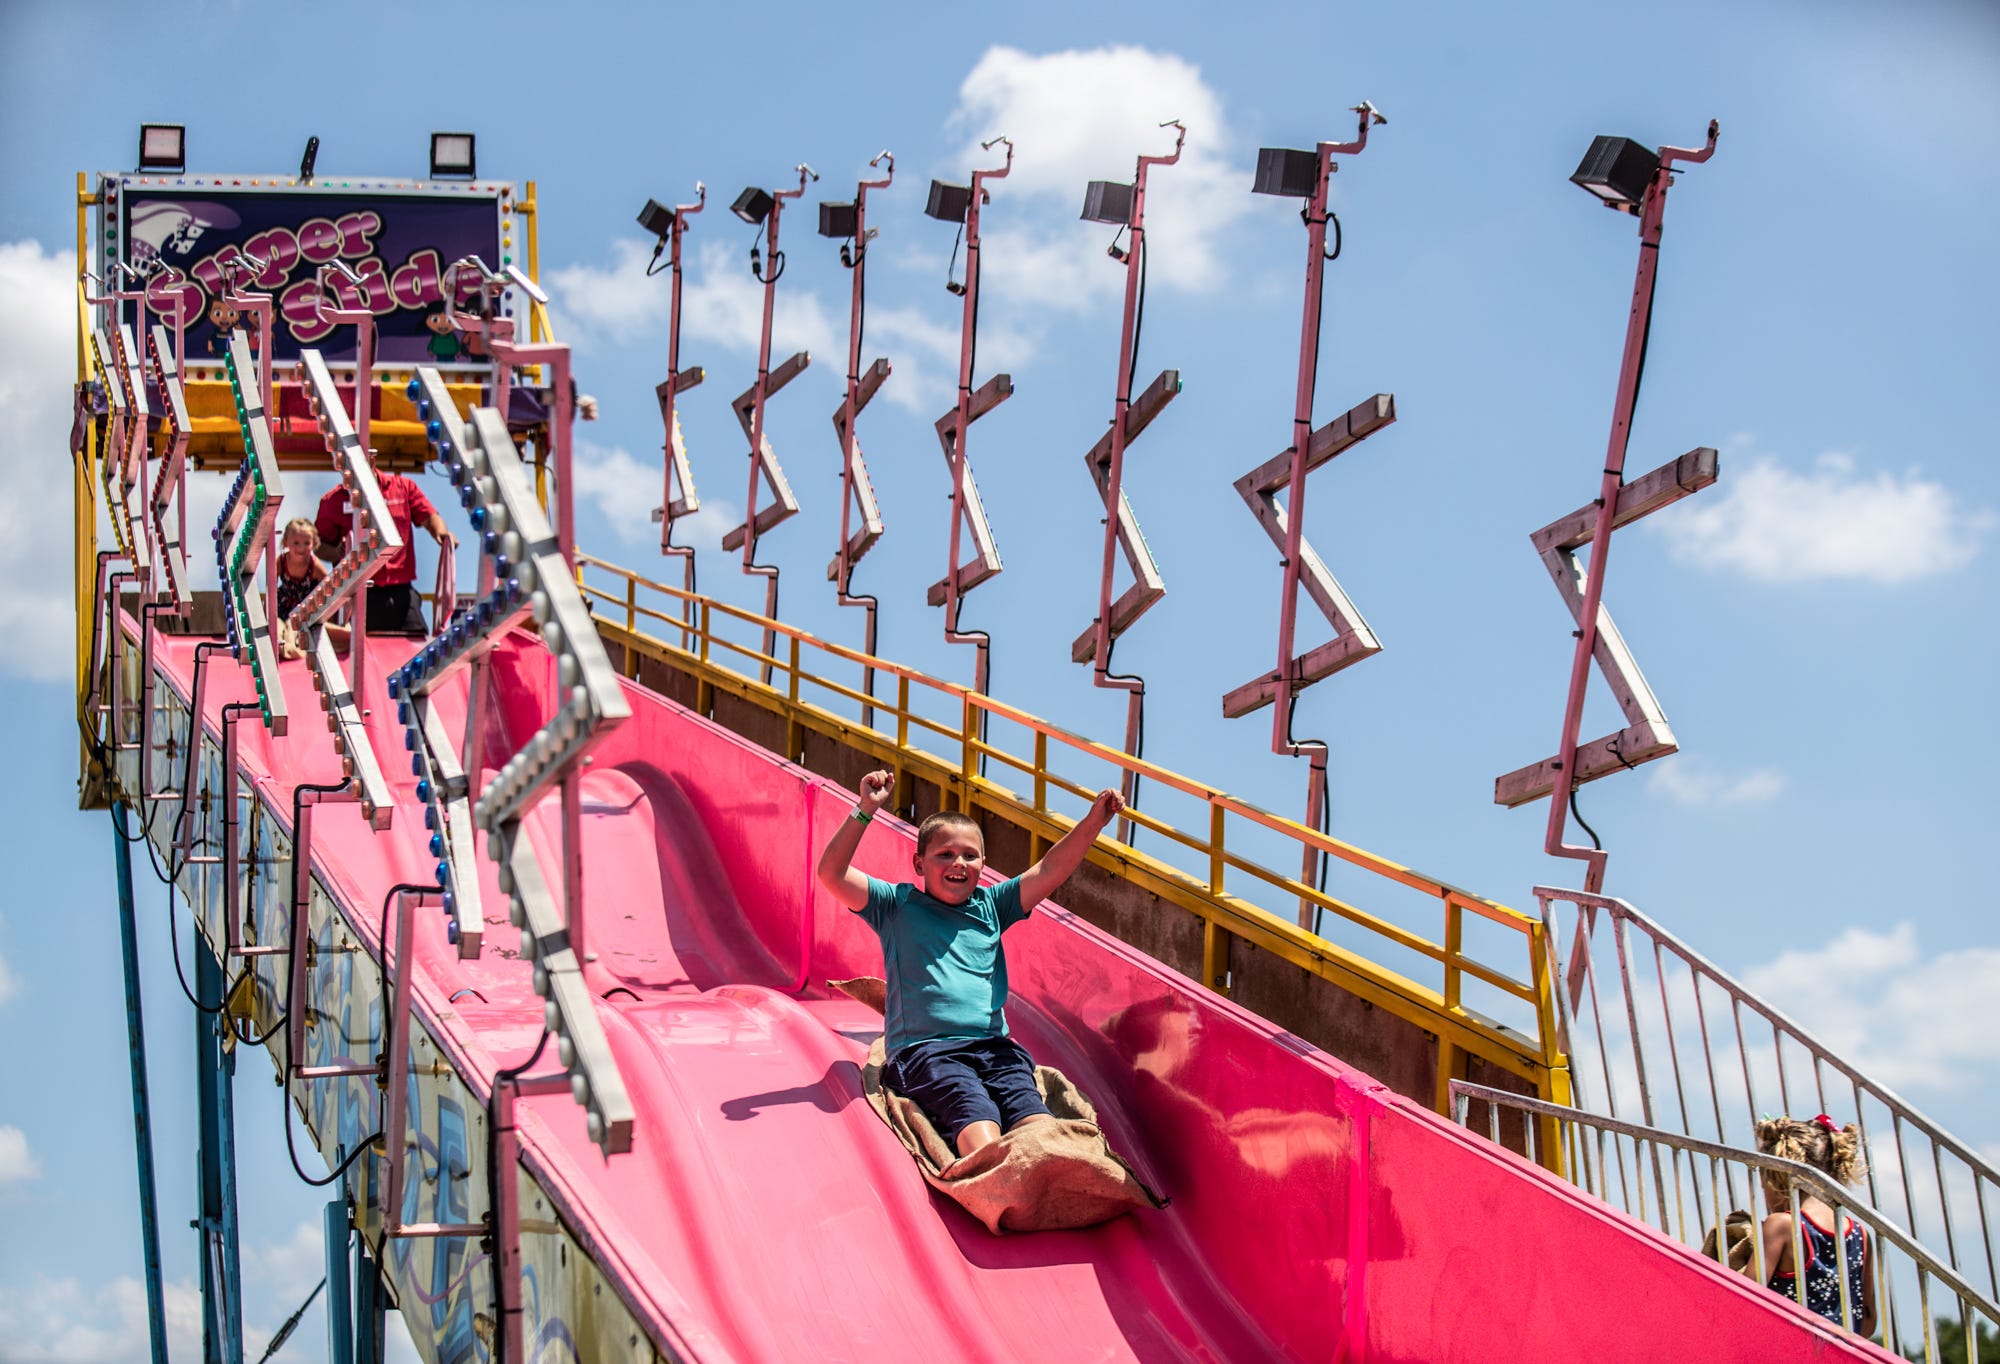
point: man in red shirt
(394, 605)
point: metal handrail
(700, 646)
(1581, 979)
(1593, 1177)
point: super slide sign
(397, 237)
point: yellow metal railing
(950, 747)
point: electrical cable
(860, 268)
(1595, 844)
(493, 1176)
(1312, 391)
(180, 972)
(952, 264)
(293, 946)
(1138, 319)
(1631, 414)
(292, 1149)
(980, 638)
(382, 934)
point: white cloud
(58, 1321)
(10, 984)
(37, 378)
(615, 302)
(17, 1162)
(1777, 525)
(625, 491)
(1077, 116)
(1905, 1019)
(1687, 782)
(724, 304)
(923, 357)
(721, 303)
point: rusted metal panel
(1165, 932)
(1393, 1050)
(762, 727)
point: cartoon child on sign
(226, 318)
(444, 343)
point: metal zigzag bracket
(1646, 734)
(1352, 639)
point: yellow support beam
(84, 504)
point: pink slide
(766, 1213)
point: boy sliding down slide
(946, 971)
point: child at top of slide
(1836, 1151)
(298, 574)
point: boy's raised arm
(842, 882)
(1059, 863)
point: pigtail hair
(1837, 1152)
(1845, 1161)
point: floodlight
(1617, 170)
(656, 218)
(452, 156)
(1286, 172)
(307, 161)
(1107, 201)
(948, 203)
(162, 147)
(837, 219)
(753, 205)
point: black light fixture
(656, 219)
(307, 161)
(1107, 201)
(1286, 172)
(837, 219)
(948, 203)
(753, 205)
(452, 156)
(163, 147)
(1617, 170)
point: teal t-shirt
(945, 969)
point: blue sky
(1819, 626)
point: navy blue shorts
(959, 1082)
